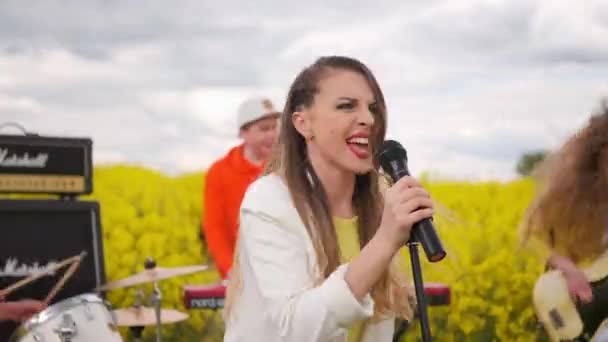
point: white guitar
(565, 319)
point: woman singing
(319, 233)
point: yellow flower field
(145, 213)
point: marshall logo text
(13, 160)
(12, 268)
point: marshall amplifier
(35, 234)
(50, 165)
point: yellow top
(348, 240)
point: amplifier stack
(38, 233)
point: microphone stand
(419, 287)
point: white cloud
(18, 103)
(215, 107)
(56, 67)
(470, 84)
(103, 156)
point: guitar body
(565, 319)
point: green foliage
(528, 161)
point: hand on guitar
(578, 284)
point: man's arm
(214, 227)
(21, 310)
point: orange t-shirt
(226, 182)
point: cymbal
(145, 316)
(152, 275)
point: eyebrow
(352, 99)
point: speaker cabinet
(37, 233)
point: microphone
(393, 160)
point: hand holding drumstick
(20, 310)
(23, 309)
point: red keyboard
(204, 296)
(212, 296)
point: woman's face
(338, 125)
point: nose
(273, 133)
(366, 118)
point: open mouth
(359, 146)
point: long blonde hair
(570, 212)
(290, 161)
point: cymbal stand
(156, 298)
(137, 331)
(139, 298)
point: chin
(361, 167)
(266, 153)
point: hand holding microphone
(407, 204)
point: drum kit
(87, 317)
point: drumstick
(8, 290)
(62, 281)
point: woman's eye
(373, 108)
(346, 106)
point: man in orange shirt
(228, 178)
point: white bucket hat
(255, 109)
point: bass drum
(84, 318)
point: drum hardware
(150, 274)
(150, 264)
(138, 317)
(137, 333)
(139, 298)
(67, 329)
(146, 316)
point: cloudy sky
(470, 84)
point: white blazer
(278, 300)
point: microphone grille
(391, 150)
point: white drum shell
(92, 321)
